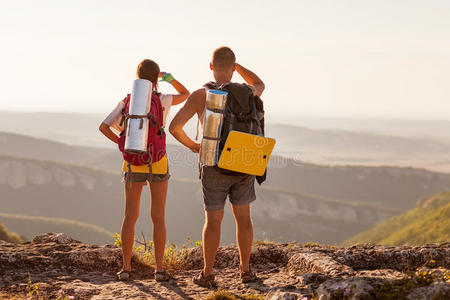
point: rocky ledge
(59, 267)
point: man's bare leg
(244, 234)
(211, 238)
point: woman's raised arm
(183, 92)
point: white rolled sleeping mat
(212, 127)
(137, 120)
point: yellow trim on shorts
(159, 167)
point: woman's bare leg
(157, 211)
(132, 202)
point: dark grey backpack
(243, 112)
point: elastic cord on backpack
(141, 117)
(198, 123)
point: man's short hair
(223, 58)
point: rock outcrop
(56, 266)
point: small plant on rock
(117, 240)
(63, 296)
(32, 289)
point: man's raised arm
(193, 105)
(251, 78)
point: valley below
(299, 202)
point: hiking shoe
(123, 275)
(248, 276)
(162, 275)
(205, 281)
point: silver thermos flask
(212, 126)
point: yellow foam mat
(246, 153)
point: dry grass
(313, 245)
(265, 243)
(174, 256)
(224, 295)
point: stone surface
(352, 288)
(437, 290)
(277, 295)
(56, 263)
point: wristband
(167, 77)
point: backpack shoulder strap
(211, 85)
(126, 100)
(157, 98)
(156, 120)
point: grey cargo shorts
(217, 186)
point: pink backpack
(156, 135)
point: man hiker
(217, 185)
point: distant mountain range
(352, 141)
(343, 147)
(302, 202)
(43, 149)
(428, 222)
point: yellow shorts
(159, 167)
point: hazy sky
(337, 57)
